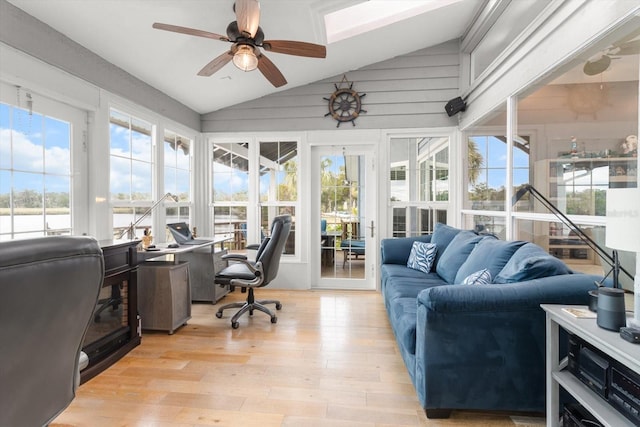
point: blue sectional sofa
(478, 345)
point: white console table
(608, 342)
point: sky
(36, 145)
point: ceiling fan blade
(216, 64)
(592, 68)
(628, 38)
(248, 16)
(290, 47)
(270, 71)
(629, 48)
(189, 31)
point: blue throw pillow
(531, 262)
(442, 236)
(482, 277)
(422, 256)
(456, 254)
(489, 253)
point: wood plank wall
(409, 91)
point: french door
(344, 205)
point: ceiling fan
(247, 37)
(601, 62)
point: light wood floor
(331, 360)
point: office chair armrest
(234, 257)
(256, 269)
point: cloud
(230, 182)
(131, 167)
(29, 156)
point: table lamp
(131, 230)
(623, 233)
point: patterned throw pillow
(482, 277)
(422, 256)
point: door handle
(371, 227)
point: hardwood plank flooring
(331, 360)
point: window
(503, 33)
(131, 171)
(487, 155)
(35, 172)
(231, 191)
(585, 119)
(579, 124)
(278, 170)
(177, 174)
(419, 182)
(487, 173)
(246, 211)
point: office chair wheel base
(219, 315)
(235, 325)
(274, 319)
(278, 307)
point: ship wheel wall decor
(345, 104)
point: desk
(163, 249)
(203, 261)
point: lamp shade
(623, 219)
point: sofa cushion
(400, 287)
(489, 253)
(422, 256)
(530, 262)
(402, 314)
(395, 250)
(482, 277)
(441, 237)
(456, 254)
(395, 270)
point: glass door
(345, 208)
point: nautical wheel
(345, 104)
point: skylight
(373, 14)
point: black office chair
(255, 274)
(258, 247)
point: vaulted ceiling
(121, 32)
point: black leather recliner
(49, 288)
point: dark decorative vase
(611, 314)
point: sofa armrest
(396, 250)
(486, 343)
(561, 289)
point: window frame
(431, 210)
(138, 207)
(26, 99)
(254, 204)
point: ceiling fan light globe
(245, 59)
(592, 68)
